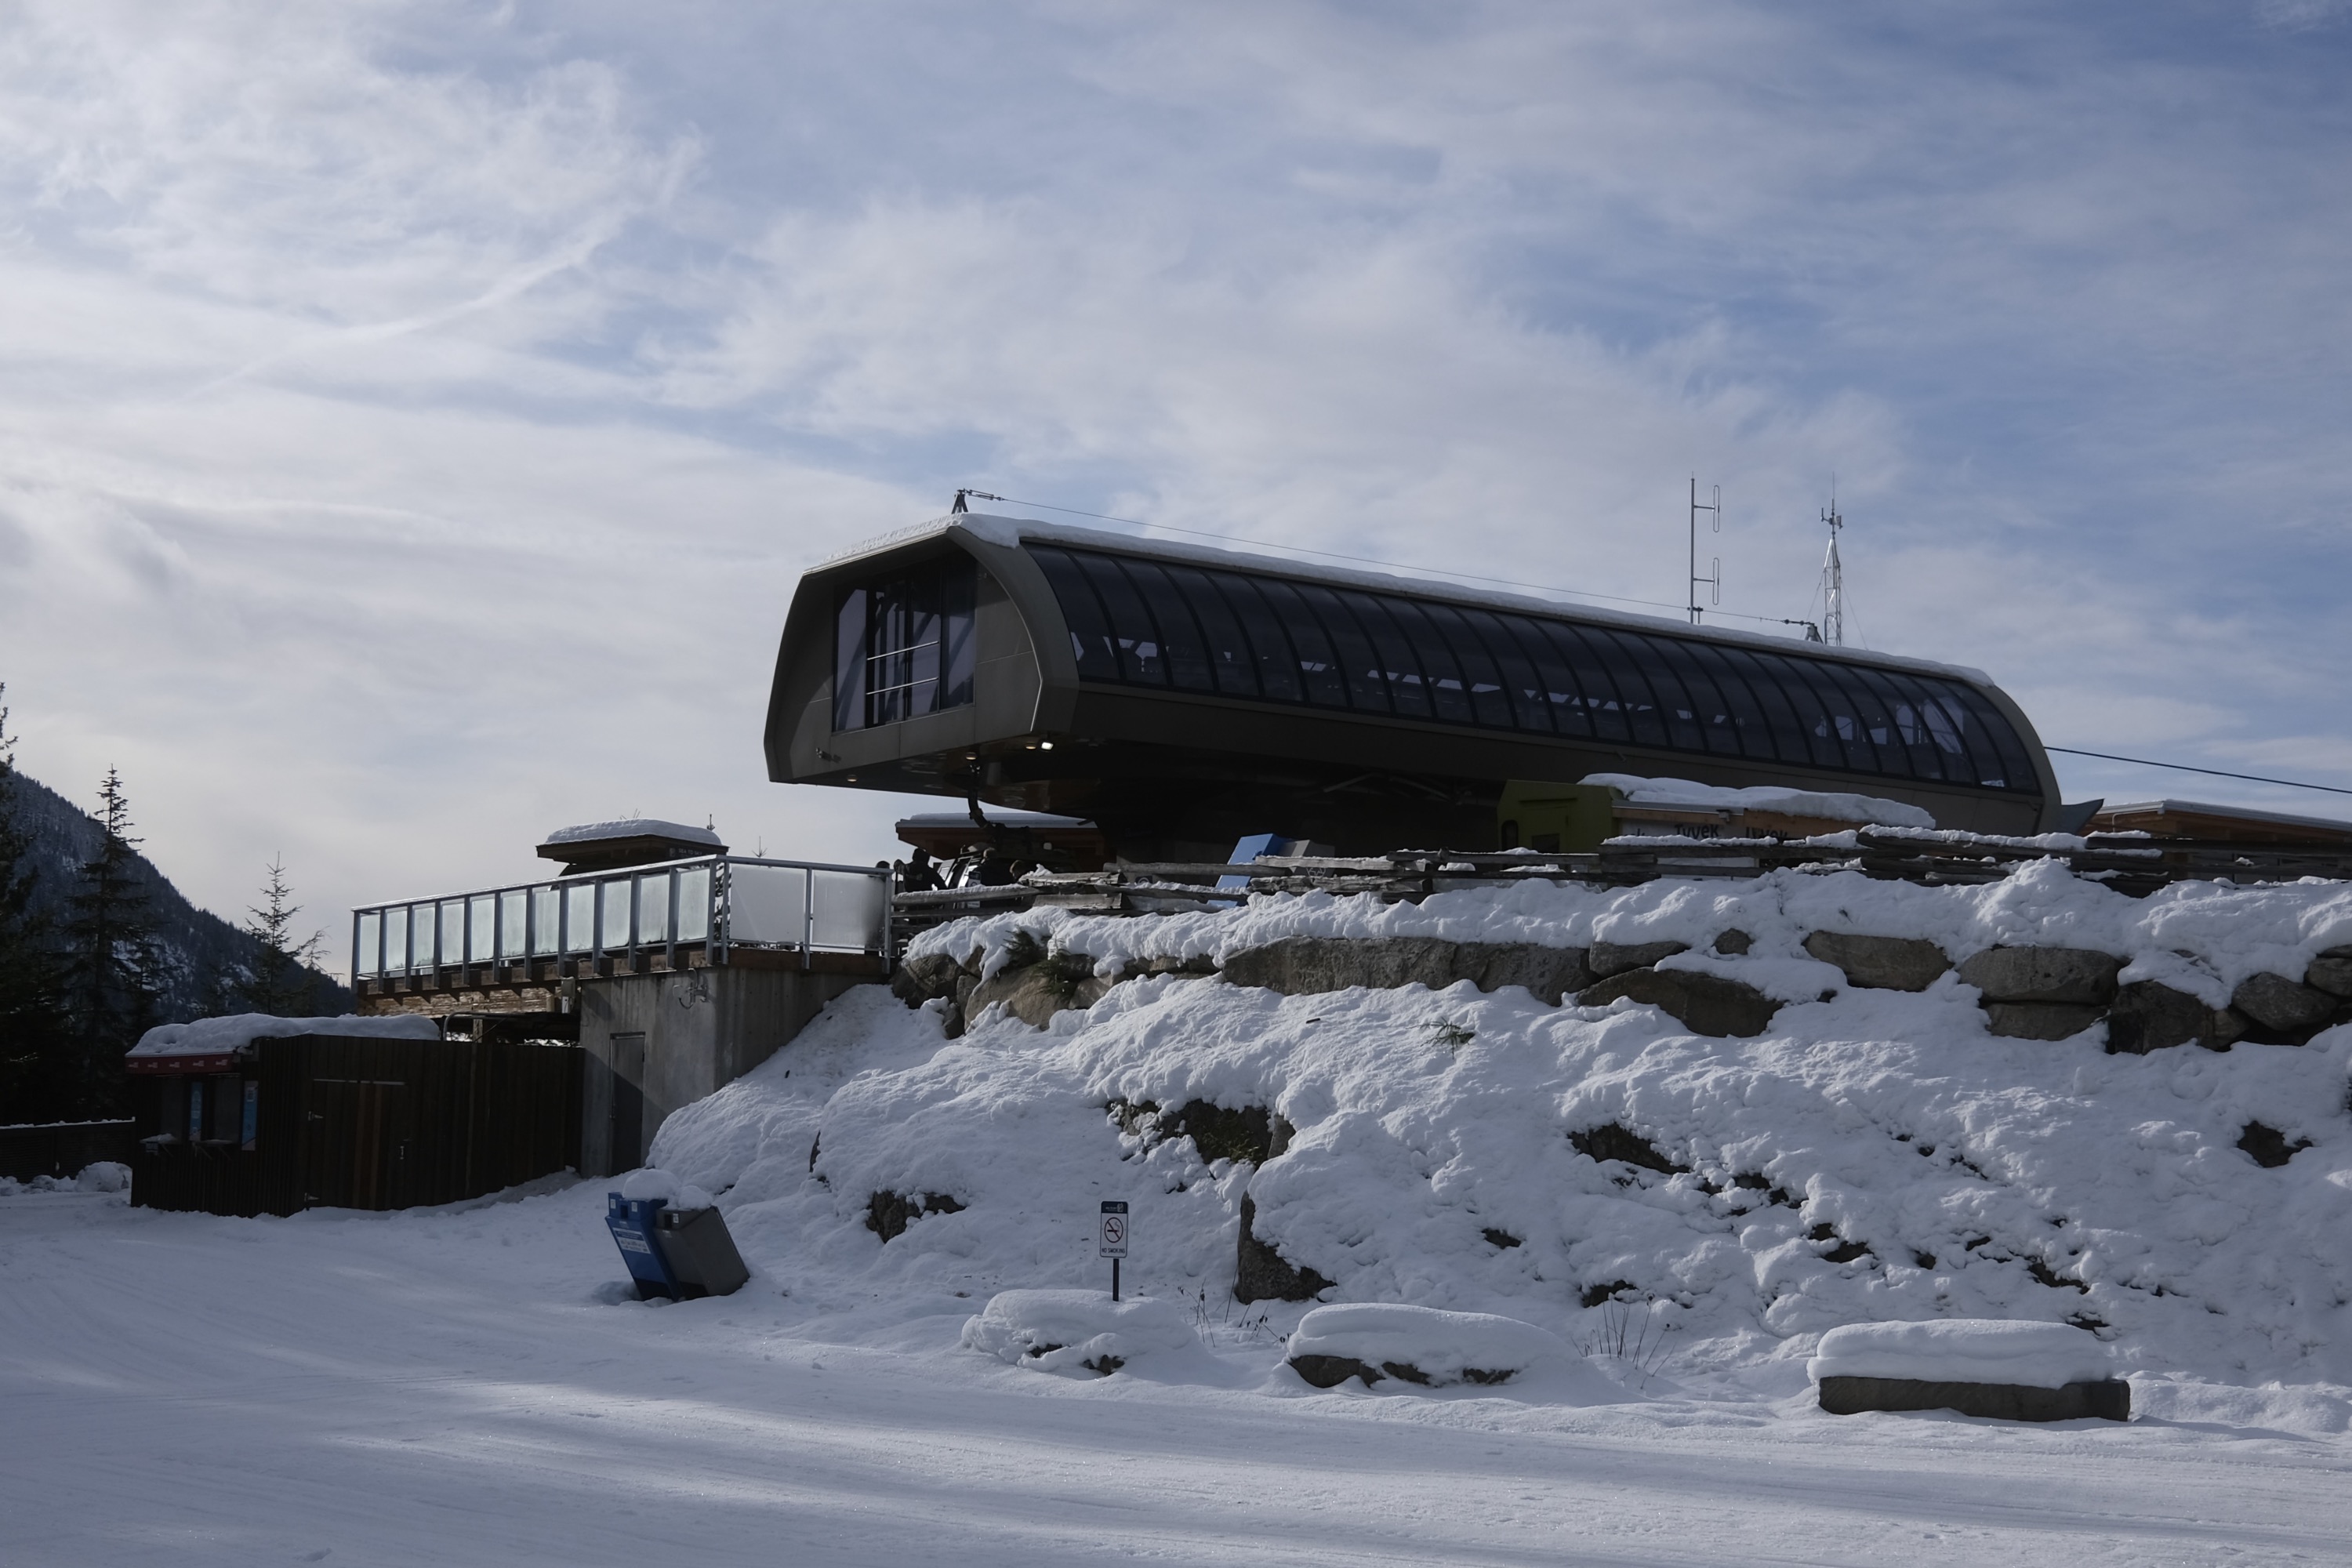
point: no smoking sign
(1113, 1241)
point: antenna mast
(1714, 509)
(1833, 580)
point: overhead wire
(2186, 768)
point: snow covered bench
(1978, 1366)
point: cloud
(419, 413)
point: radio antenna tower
(1713, 507)
(1834, 578)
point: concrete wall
(702, 1029)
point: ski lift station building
(1182, 696)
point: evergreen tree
(112, 966)
(283, 979)
(32, 1036)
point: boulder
(1608, 958)
(2331, 972)
(2281, 1006)
(1732, 943)
(1880, 963)
(2074, 975)
(920, 980)
(2148, 1015)
(1420, 1345)
(1262, 1274)
(1703, 1003)
(2040, 1020)
(1306, 965)
(1036, 994)
(1551, 972)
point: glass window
(1287, 640)
(1181, 644)
(903, 647)
(1322, 671)
(1359, 666)
(1280, 667)
(1395, 657)
(368, 959)
(1233, 667)
(1137, 639)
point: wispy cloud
(418, 414)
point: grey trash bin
(699, 1251)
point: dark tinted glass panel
(1441, 680)
(1133, 634)
(1482, 677)
(849, 662)
(1322, 678)
(1782, 737)
(1393, 654)
(1279, 665)
(1183, 644)
(1359, 663)
(1233, 669)
(1272, 639)
(1522, 700)
(902, 645)
(1090, 637)
(1676, 707)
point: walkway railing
(713, 903)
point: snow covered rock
(1608, 958)
(1880, 963)
(104, 1176)
(2071, 976)
(1420, 1345)
(1060, 1331)
(1703, 1003)
(1979, 1366)
(1311, 965)
(2279, 1004)
(2331, 972)
(2149, 1015)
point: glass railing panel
(370, 937)
(616, 913)
(422, 950)
(580, 917)
(514, 912)
(482, 931)
(694, 904)
(395, 940)
(653, 908)
(453, 930)
(767, 905)
(546, 909)
(849, 911)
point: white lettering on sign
(632, 1244)
(1114, 1231)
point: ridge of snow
(215, 1037)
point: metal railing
(713, 902)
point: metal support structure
(1832, 582)
(1713, 507)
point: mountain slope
(199, 947)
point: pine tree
(113, 968)
(33, 1037)
(283, 979)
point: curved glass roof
(1168, 625)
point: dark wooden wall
(347, 1122)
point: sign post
(1113, 1241)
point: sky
(414, 416)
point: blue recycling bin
(682, 1254)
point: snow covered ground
(464, 1387)
(477, 1384)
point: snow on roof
(633, 828)
(1003, 815)
(1011, 531)
(1828, 804)
(220, 1036)
(2208, 808)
